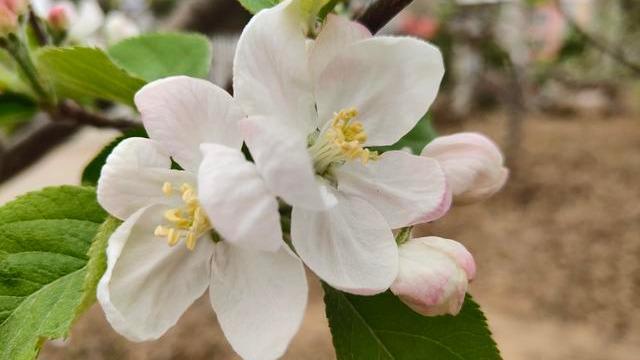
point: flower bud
(433, 275)
(8, 19)
(472, 163)
(58, 18)
(18, 7)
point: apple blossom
(212, 225)
(314, 108)
(84, 19)
(58, 18)
(119, 27)
(472, 163)
(434, 275)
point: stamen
(187, 223)
(343, 140)
(167, 188)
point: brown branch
(36, 24)
(615, 53)
(65, 120)
(69, 112)
(209, 16)
(23, 153)
(379, 13)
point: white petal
(182, 112)
(270, 73)
(391, 81)
(259, 298)
(337, 33)
(119, 27)
(133, 177)
(89, 20)
(285, 164)
(237, 201)
(456, 251)
(473, 165)
(406, 189)
(41, 7)
(148, 284)
(349, 246)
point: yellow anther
(167, 188)
(173, 237)
(187, 223)
(342, 140)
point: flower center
(188, 222)
(342, 141)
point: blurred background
(555, 83)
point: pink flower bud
(472, 163)
(18, 7)
(433, 276)
(8, 19)
(58, 17)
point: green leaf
(97, 264)
(416, 139)
(155, 56)
(84, 74)
(382, 327)
(91, 172)
(44, 240)
(253, 6)
(15, 109)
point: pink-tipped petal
(406, 189)
(473, 165)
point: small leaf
(15, 109)
(155, 56)
(416, 139)
(44, 239)
(91, 172)
(97, 264)
(382, 327)
(83, 74)
(254, 6)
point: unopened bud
(433, 275)
(18, 7)
(472, 163)
(58, 18)
(8, 19)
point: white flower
(314, 106)
(85, 19)
(472, 163)
(119, 27)
(163, 256)
(434, 275)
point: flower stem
(404, 235)
(22, 56)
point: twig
(69, 112)
(379, 13)
(615, 53)
(38, 31)
(209, 16)
(32, 147)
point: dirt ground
(557, 251)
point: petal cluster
(314, 107)
(197, 216)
